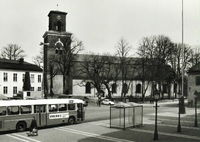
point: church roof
(18, 65)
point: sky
(99, 24)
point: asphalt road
(96, 128)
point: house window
(5, 90)
(14, 77)
(39, 78)
(39, 88)
(5, 76)
(88, 88)
(138, 88)
(23, 77)
(197, 80)
(15, 90)
(32, 88)
(32, 78)
(114, 88)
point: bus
(18, 114)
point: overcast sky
(99, 23)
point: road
(97, 128)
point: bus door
(41, 115)
(80, 112)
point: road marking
(93, 135)
(167, 134)
(25, 137)
(17, 138)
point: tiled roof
(18, 65)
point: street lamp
(156, 97)
(179, 113)
(195, 99)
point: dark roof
(194, 69)
(18, 65)
(56, 12)
(138, 68)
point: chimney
(21, 60)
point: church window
(114, 88)
(138, 88)
(88, 88)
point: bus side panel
(10, 122)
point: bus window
(2, 111)
(25, 109)
(62, 107)
(12, 110)
(39, 109)
(71, 106)
(53, 108)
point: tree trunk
(108, 89)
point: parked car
(107, 102)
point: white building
(12, 73)
(193, 83)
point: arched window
(88, 88)
(138, 88)
(165, 88)
(59, 25)
(175, 88)
(114, 88)
(125, 88)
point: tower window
(59, 25)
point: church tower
(56, 39)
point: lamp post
(156, 97)
(179, 114)
(195, 99)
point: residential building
(12, 73)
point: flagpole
(183, 50)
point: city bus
(18, 114)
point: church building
(57, 41)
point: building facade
(193, 83)
(12, 74)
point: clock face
(58, 17)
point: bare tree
(179, 61)
(38, 59)
(65, 61)
(93, 69)
(12, 52)
(155, 52)
(123, 48)
(195, 57)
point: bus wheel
(21, 126)
(71, 120)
